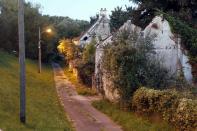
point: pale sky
(78, 9)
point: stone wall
(109, 91)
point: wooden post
(22, 60)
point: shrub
(130, 62)
(89, 52)
(181, 112)
(68, 49)
(86, 66)
(149, 100)
(85, 73)
(186, 114)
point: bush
(68, 49)
(131, 63)
(181, 112)
(85, 73)
(89, 52)
(86, 65)
(149, 100)
(186, 114)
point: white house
(100, 30)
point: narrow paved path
(79, 108)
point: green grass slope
(44, 112)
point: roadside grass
(80, 88)
(128, 120)
(43, 109)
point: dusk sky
(78, 9)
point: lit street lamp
(39, 48)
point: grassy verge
(128, 120)
(80, 88)
(44, 111)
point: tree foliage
(68, 49)
(62, 27)
(87, 66)
(188, 34)
(93, 19)
(119, 17)
(89, 52)
(184, 9)
(70, 28)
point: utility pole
(39, 52)
(22, 60)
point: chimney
(103, 12)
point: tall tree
(62, 27)
(93, 19)
(117, 18)
(183, 9)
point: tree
(69, 28)
(62, 27)
(89, 52)
(68, 49)
(87, 67)
(93, 19)
(8, 20)
(119, 17)
(184, 9)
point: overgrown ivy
(188, 34)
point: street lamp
(39, 48)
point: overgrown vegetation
(80, 88)
(68, 49)
(130, 63)
(188, 36)
(187, 33)
(82, 60)
(182, 112)
(44, 111)
(183, 9)
(87, 67)
(127, 62)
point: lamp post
(39, 48)
(22, 60)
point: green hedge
(186, 114)
(181, 112)
(188, 34)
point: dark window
(85, 38)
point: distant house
(98, 31)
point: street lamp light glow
(49, 30)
